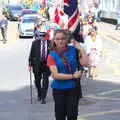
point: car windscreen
(29, 20)
(29, 12)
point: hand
(77, 74)
(29, 68)
(76, 44)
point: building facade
(108, 7)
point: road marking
(102, 98)
(98, 113)
(99, 96)
(109, 92)
(104, 34)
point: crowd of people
(56, 53)
(64, 59)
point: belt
(43, 62)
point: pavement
(101, 99)
(106, 29)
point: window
(29, 20)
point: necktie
(43, 51)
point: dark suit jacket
(34, 57)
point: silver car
(26, 27)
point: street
(101, 97)
(110, 62)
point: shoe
(91, 77)
(4, 42)
(43, 102)
(39, 98)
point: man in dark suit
(38, 62)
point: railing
(109, 15)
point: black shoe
(39, 98)
(43, 102)
(4, 42)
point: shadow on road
(18, 101)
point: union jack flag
(71, 9)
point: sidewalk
(106, 29)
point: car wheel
(20, 36)
(10, 19)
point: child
(93, 45)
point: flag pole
(31, 86)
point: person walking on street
(118, 20)
(63, 65)
(37, 29)
(3, 26)
(38, 61)
(93, 45)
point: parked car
(27, 12)
(26, 26)
(36, 16)
(13, 11)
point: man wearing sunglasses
(37, 61)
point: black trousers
(41, 74)
(66, 104)
(4, 34)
